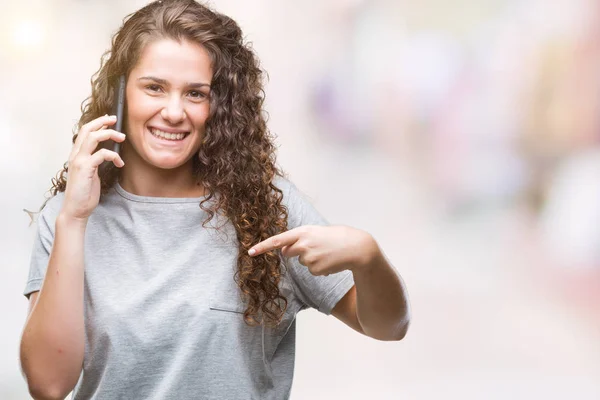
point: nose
(173, 112)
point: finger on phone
(95, 138)
(106, 155)
(96, 124)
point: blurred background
(464, 135)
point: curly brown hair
(236, 160)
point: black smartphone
(118, 109)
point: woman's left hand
(323, 250)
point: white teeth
(167, 135)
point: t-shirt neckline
(151, 199)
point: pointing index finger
(274, 242)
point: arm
(382, 306)
(377, 305)
(52, 344)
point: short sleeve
(319, 292)
(42, 244)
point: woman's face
(167, 104)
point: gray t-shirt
(163, 315)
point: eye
(197, 94)
(153, 87)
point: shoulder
(283, 184)
(54, 203)
(291, 193)
(301, 210)
(292, 196)
(51, 207)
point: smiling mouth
(174, 137)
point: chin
(167, 163)
(169, 160)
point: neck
(143, 179)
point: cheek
(200, 115)
(140, 106)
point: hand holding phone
(87, 156)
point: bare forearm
(382, 305)
(52, 345)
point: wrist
(65, 220)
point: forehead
(174, 61)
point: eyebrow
(166, 83)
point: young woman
(177, 272)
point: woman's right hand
(82, 193)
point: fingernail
(113, 117)
(251, 252)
